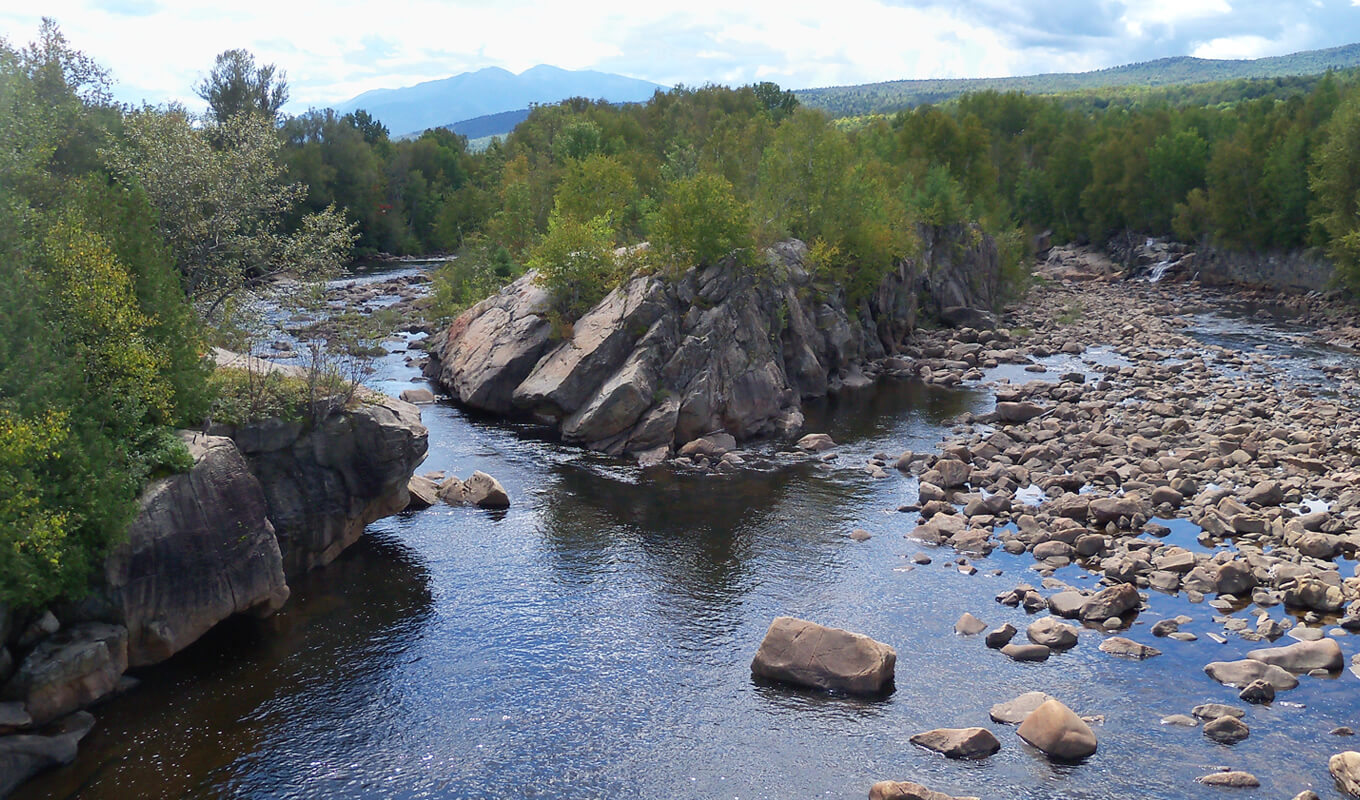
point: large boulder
(807, 654)
(200, 550)
(1111, 602)
(69, 670)
(1058, 732)
(1345, 769)
(1240, 674)
(1303, 656)
(484, 491)
(1013, 712)
(327, 484)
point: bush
(701, 220)
(575, 262)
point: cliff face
(660, 363)
(323, 486)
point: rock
(965, 317)
(1109, 509)
(1307, 794)
(959, 742)
(1345, 769)
(1258, 691)
(1180, 720)
(1236, 779)
(815, 443)
(1018, 412)
(13, 717)
(1119, 646)
(1226, 730)
(1241, 673)
(1111, 602)
(69, 670)
(953, 473)
(807, 654)
(998, 638)
(860, 535)
(714, 445)
(1054, 549)
(1058, 732)
(417, 396)
(1215, 710)
(484, 491)
(1265, 493)
(1026, 652)
(338, 476)
(1303, 656)
(1165, 627)
(26, 755)
(45, 625)
(969, 625)
(1013, 712)
(453, 491)
(423, 491)
(906, 790)
(1051, 633)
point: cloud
(336, 49)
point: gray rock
(1026, 652)
(816, 443)
(200, 550)
(1303, 656)
(959, 742)
(69, 670)
(423, 491)
(1209, 711)
(13, 717)
(1180, 720)
(417, 396)
(1240, 674)
(1013, 712)
(807, 654)
(1111, 602)
(1258, 691)
(969, 625)
(1018, 412)
(26, 755)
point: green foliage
(235, 86)
(481, 268)
(575, 262)
(1335, 181)
(701, 221)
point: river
(594, 641)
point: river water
(594, 641)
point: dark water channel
(594, 641)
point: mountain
(890, 96)
(491, 91)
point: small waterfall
(1159, 270)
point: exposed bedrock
(659, 363)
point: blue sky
(334, 50)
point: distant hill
(890, 96)
(490, 92)
(490, 124)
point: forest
(132, 237)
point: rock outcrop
(657, 364)
(69, 670)
(325, 484)
(807, 654)
(201, 549)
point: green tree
(1335, 181)
(575, 262)
(237, 86)
(701, 221)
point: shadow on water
(199, 721)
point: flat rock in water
(1240, 674)
(484, 491)
(418, 396)
(1013, 712)
(1058, 732)
(959, 742)
(815, 443)
(1235, 779)
(807, 654)
(998, 638)
(424, 493)
(906, 790)
(1182, 720)
(1026, 652)
(1120, 646)
(1211, 711)
(969, 625)
(1303, 656)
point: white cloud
(1236, 47)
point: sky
(336, 49)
